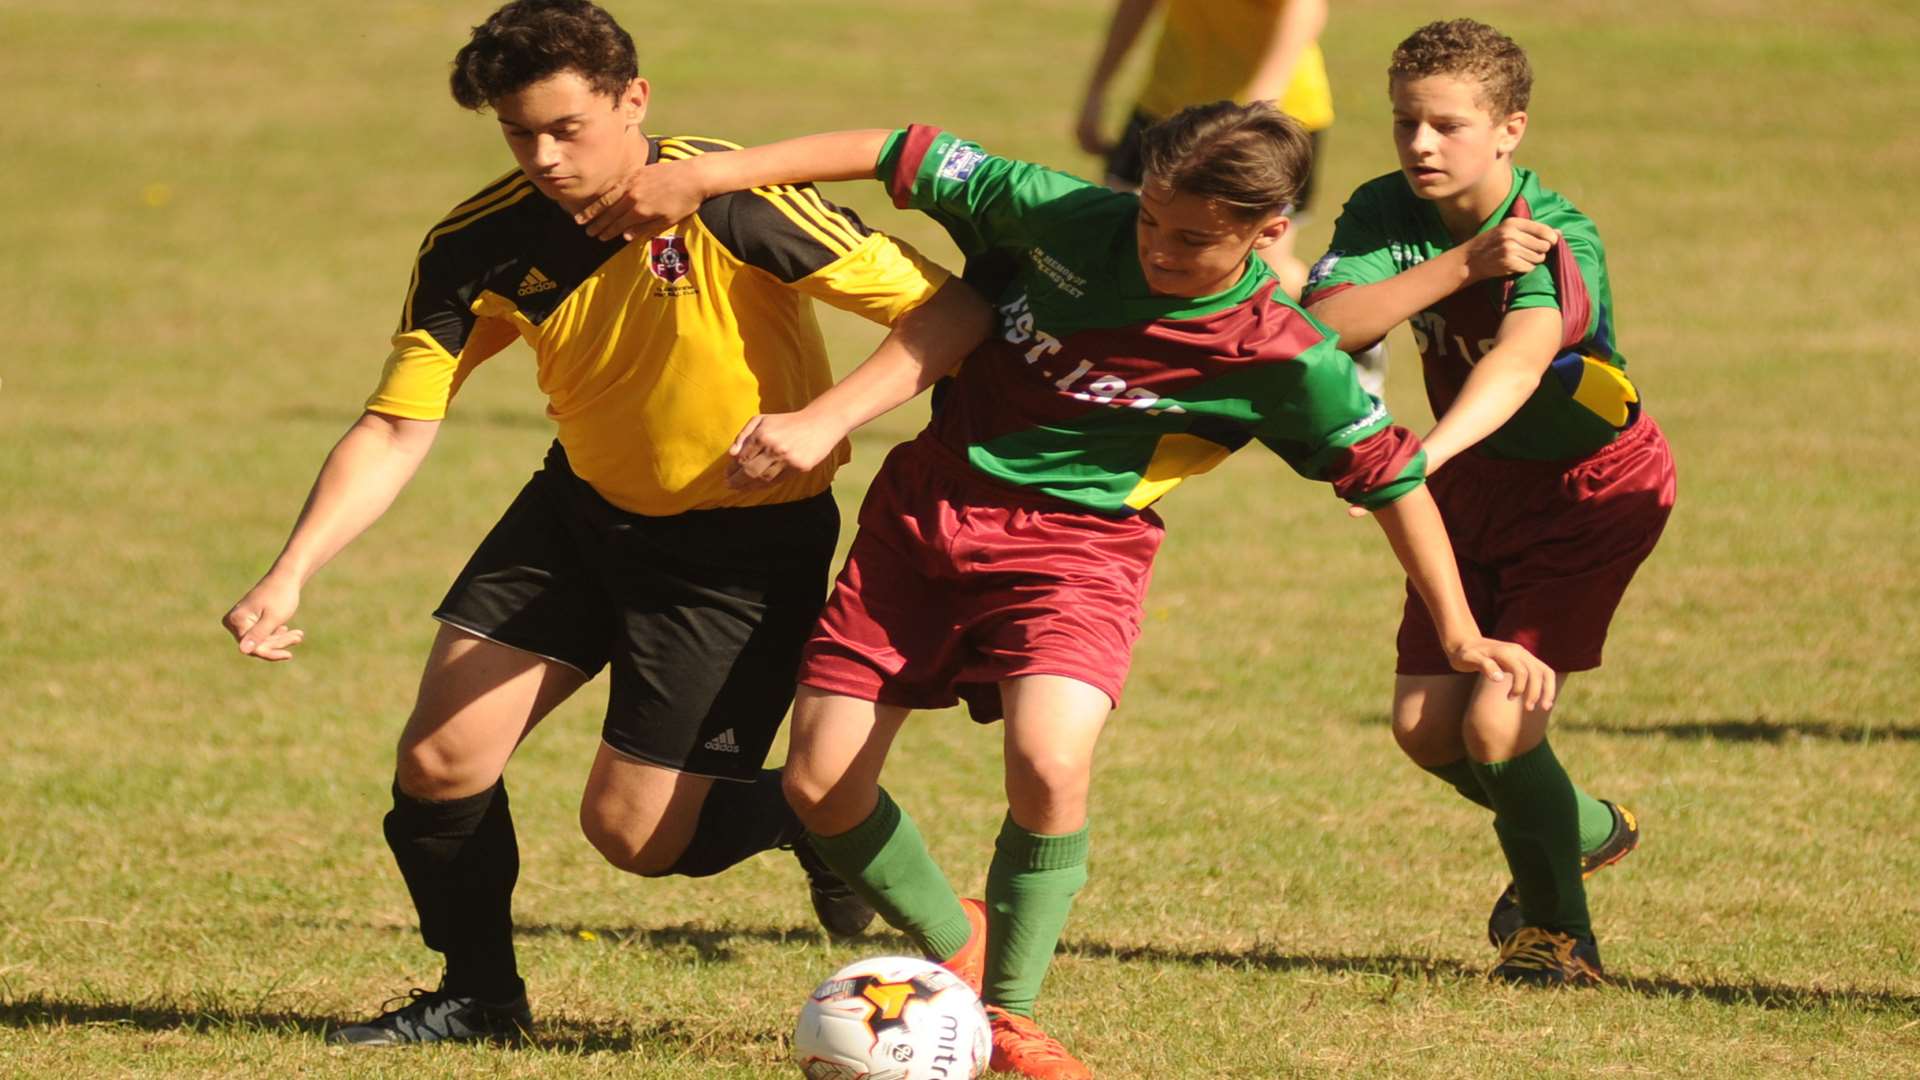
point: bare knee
(1426, 743)
(1047, 791)
(435, 769)
(1427, 717)
(630, 846)
(826, 803)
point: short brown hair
(1470, 50)
(1253, 159)
(530, 40)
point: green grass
(211, 216)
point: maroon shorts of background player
(956, 582)
(1546, 548)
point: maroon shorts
(956, 582)
(1546, 548)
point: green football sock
(1030, 888)
(886, 862)
(1596, 821)
(1536, 815)
(1459, 775)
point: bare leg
(478, 699)
(1040, 857)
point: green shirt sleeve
(1361, 250)
(1327, 428)
(983, 200)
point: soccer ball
(892, 1018)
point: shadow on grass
(1762, 729)
(709, 943)
(1755, 729)
(561, 1035)
(1758, 995)
(39, 1011)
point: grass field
(211, 214)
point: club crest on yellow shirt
(668, 257)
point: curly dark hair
(1252, 159)
(1469, 50)
(529, 40)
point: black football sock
(736, 822)
(460, 862)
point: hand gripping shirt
(653, 355)
(1585, 399)
(1093, 390)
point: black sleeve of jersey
(790, 232)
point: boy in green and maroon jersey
(1553, 482)
(1002, 555)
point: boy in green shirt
(1553, 482)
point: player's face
(1191, 245)
(570, 141)
(1451, 147)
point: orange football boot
(1020, 1047)
(970, 960)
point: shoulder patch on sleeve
(1323, 267)
(960, 161)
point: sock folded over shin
(460, 861)
(886, 861)
(1537, 818)
(1030, 889)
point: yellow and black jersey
(1210, 49)
(652, 354)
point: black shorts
(701, 615)
(1125, 166)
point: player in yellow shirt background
(629, 548)
(1213, 50)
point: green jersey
(1095, 391)
(1585, 399)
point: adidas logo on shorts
(724, 743)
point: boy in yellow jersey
(629, 548)
(1209, 50)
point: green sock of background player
(1536, 815)
(1596, 821)
(1030, 889)
(886, 861)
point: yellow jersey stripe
(510, 195)
(487, 194)
(794, 215)
(810, 201)
(686, 142)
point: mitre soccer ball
(892, 1018)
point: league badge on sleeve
(960, 161)
(1322, 268)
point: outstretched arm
(655, 197)
(1363, 314)
(1419, 540)
(923, 346)
(361, 476)
(1501, 382)
(1128, 17)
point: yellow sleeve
(823, 250)
(881, 279)
(420, 377)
